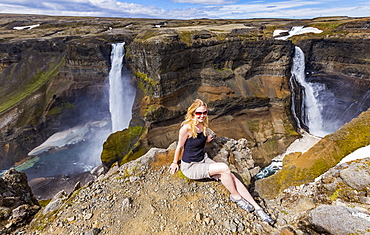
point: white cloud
(213, 9)
(284, 9)
(207, 2)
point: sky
(190, 9)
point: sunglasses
(200, 113)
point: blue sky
(190, 9)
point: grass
(40, 78)
(123, 146)
(146, 84)
(253, 125)
(59, 109)
(185, 36)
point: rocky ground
(149, 201)
(141, 197)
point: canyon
(54, 77)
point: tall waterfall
(310, 108)
(325, 109)
(121, 91)
(78, 148)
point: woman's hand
(173, 168)
(210, 138)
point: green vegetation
(59, 109)
(40, 221)
(222, 36)
(146, 35)
(329, 28)
(146, 84)
(44, 203)
(37, 81)
(289, 129)
(186, 36)
(304, 168)
(271, 146)
(150, 109)
(284, 212)
(123, 146)
(182, 176)
(253, 125)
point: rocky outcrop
(143, 190)
(17, 203)
(337, 202)
(303, 168)
(123, 146)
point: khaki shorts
(197, 170)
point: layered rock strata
(244, 82)
(46, 87)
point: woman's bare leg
(243, 191)
(233, 184)
(237, 188)
(226, 177)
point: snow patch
(296, 30)
(26, 27)
(358, 154)
(68, 137)
(300, 145)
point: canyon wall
(244, 81)
(54, 76)
(48, 86)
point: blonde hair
(192, 121)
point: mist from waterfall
(78, 148)
(121, 91)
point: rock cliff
(47, 86)
(54, 75)
(61, 69)
(244, 81)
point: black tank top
(193, 148)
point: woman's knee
(223, 168)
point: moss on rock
(303, 168)
(123, 146)
(146, 84)
(38, 80)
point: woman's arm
(183, 135)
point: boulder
(339, 220)
(17, 203)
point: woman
(195, 164)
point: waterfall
(121, 91)
(311, 107)
(78, 149)
(324, 109)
